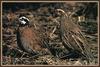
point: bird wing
(76, 39)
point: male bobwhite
(27, 37)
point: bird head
(61, 12)
(23, 21)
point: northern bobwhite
(72, 36)
(27, 37)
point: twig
(53, 32)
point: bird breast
(29, 39)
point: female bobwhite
(72, 36)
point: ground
(41, 16)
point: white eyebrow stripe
(24, 18)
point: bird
(28, 39)
(72, 37)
